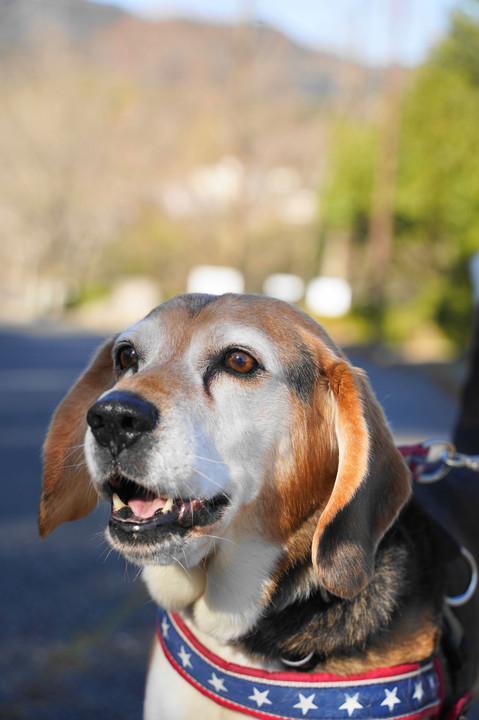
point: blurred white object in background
(329, 296)
(284, 286)
(215, 280)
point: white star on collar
(306, 704)
(351, 704)
(185, 657)
(418, 692)
(391, 698)
(260, 698)
(165, 626)
(217, 683)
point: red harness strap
(415, 457)
(460, 709)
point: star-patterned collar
(408, 692)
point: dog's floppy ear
(67, 490)
(371, 485)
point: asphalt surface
(75, 624)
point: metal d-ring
(459, 600)
(298, 663)
(435, 475)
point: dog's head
(216, 412)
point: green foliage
(87, 293)
(459, 51)
(436, 209)
(346, 198)
(151, 245)
(438, 182)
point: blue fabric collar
(406, 692)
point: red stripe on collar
(287, 675)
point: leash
(430, 462)
(426, 468)
(425, 471)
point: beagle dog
(253, 478)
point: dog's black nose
(120, 419)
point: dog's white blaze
(247, 426)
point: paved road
(75, 627)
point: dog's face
(192, 427)
(216, 413)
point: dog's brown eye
(240, 362)
(127, 358)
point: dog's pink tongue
(146, 507)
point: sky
(374, 31)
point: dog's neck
(249, 598)
(226, 594)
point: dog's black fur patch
(409, 579)
(301, 376)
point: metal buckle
(462, 599)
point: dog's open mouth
(139, 512)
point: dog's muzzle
(141, 515)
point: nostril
(128, 423)
(94, 419)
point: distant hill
(175, 51)
(24, 21)
(205, 91)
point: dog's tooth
(168, 505)
(118, 504)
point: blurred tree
(345, 202)
(346, 197)
(436, 199)
(62, 179)
(437, 205)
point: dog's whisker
(224, 539)
(106, 552)
(213, 482)
(127, 571)
(100, 538)
(138, 574)
(216, 462)
(186, 560)
(182, 566)
(79, 464)
(71, 451)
